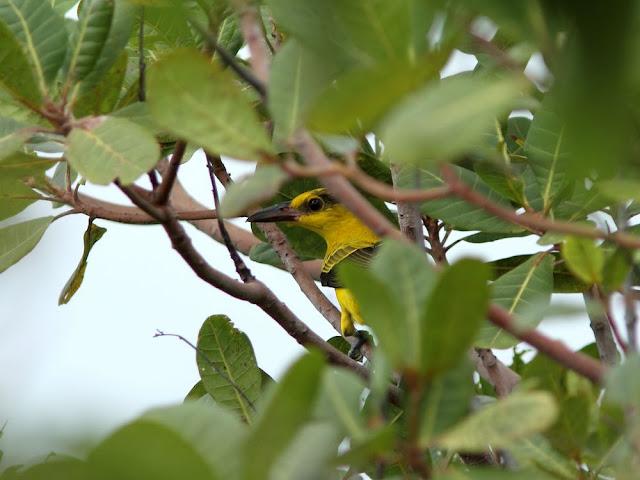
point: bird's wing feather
(361, 257)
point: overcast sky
(94, 362)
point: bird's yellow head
(319, 212)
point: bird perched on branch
(347, 239)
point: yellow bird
(347, 239)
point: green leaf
(196, 393)
(358, 99)
(62, 6)
(340, 402)
(455, 212)
(616, 269)
(536, 452)
(340, 343)
(584, 258)
(528, 285)
(621, 189)
(120, 28)
(623, 383)
(283, 416)
(89, 35)
(57, 469)
(211, 430)
(500, 424)
(455, 310)
(166, 455)
(42, 33)
(16, 74)
(235, 380)
(112, 148)
(297, 77)
(361, 31)
(184, 84)
(487, 237)
(19, 239)
(91, 236)
(264, 253)
(14, 169)
(447, 401)
(103, 96)
(251, 191)
(570, 432)
(446, 119)
(547, 154)
(309, 455)
(13, 134)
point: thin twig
(170, 173)
(601, 325)
(558, 351)
(241, 268)
(219, 169)
(408, 212)
(236, 387)
(249, 20)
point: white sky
(94, 362)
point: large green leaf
(623, 383)
(16, 74)
(446, 119)
(340, 402)
(89, 35)
(62, 6)
(90, 237)
(215, 433)
(64, 468)
(252, 190)
(120, 27)
(297, 77)
(184, 84)
(584, 258)
(447, 401)
(455, 310)
(228, 366)
(15, 196)
(102, 97)
(19, 239)
(361, 31)
(112, 148)
(12, 135)
(454, 211)
(547, 153)
(500, 424)
(42, 33)
(166, 455)
(359, 98)
(283, 415)
(527, 286)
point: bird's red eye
(315, 204)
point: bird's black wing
(361, 257)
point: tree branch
(501, 377)
(534, 222)
(170, 173)
(252, 33)
(558, 351)
(601, 326)
(409, 217)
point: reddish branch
(170, 174)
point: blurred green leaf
(112, 148)
(517, 416)
(584, 258)
(283, 416)
(616, 269)
(62, 6)
(297, 77)
(447, 401)
(449, 325)
(12, 135)
(536, 452)
(623, 383)
(42, 34)
(102, 97)
(340, 401)
(185, 85)
(621, 190)
(569, 433)
(529, 284)
(91, 236)
(446, 119)
(58, 469)
(19, 239)
(375, 444)
(547, 154)
(235, 381)
(264, 253)
(211, 430)
(14, 194)
(245, 194)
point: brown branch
(170, 173)
(368, 183)
(409, 218)
(219, 169)
(254, 291)
(534, 222)
(241, 268)
(501, 377)
(558, 351)
(252, 33)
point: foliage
(121, 89)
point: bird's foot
(362, 337)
